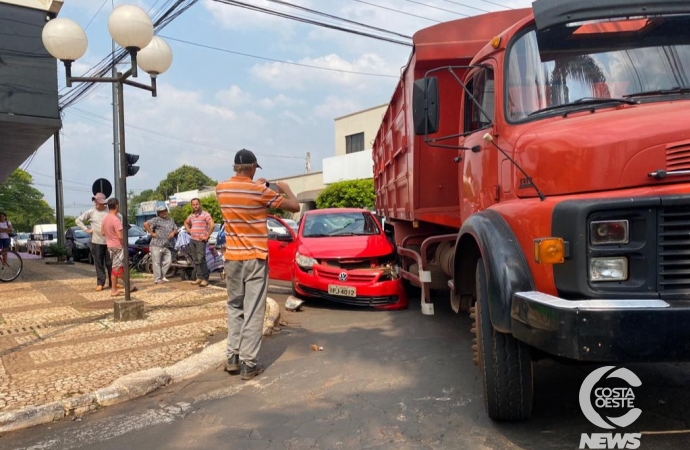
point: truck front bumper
(603, 330)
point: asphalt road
(384, 380)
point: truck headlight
(305, 262)
(609, 232)
(608, 269)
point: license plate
(344, 291)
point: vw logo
(342, 276)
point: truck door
(479, 187)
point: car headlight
(608, 269)
(609, 232)
(304, 261)
(79, 245)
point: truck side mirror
(425, 106)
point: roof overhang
(20, 136)
(51, 6)
(308, 196)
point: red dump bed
(412, 180)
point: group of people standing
(244, 204)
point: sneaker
(158, 282)
(232, 366)
(203, 283)
(165, 280)
(197, 281)
(247, 372)
(99, 288)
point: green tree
(70, 221)
(23, 203)
(347, 194)
(185, 178)
(133, 200)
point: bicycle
(10, 265)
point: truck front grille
(674, 249)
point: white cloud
(285, 76)
(334, 106)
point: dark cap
(245, 156)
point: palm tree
(581, 68)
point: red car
(341, 255)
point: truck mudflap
(603, 330)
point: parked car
(134, 233)
(214, 235)
(20, 242)
(341, 255)
(279, 227)
(41, 238)
(82, 245)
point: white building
(354, 136)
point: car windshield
(80, 234)
(23, 236)
(340, 224)
(605, 68)
(134, 230)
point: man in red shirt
(112, 230)
(199, 225)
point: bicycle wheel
(10, 266)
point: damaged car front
(344, 256)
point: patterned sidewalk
(58, 338)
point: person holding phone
(244, 204)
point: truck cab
(542, 178)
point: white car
(20, 242)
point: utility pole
(59, 204)
(116, 134)
(308, 167)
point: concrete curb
(129, 386)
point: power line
(94, 16)
(436, 7)
(278, 60)
(177, 138)
(494, 3)
(342, 19)
(311, 21)
(467, 6)
(397, 11)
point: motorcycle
(138, 253)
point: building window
(354, 143)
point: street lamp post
(132, 29)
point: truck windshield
(535, 84)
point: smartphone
(273, 187)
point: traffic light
(131, 160)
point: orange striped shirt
(244, 204)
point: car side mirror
(284, 237)
(425, 106)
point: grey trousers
(160, 259)
(198, 249)
(247, 284)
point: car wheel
(504, 362)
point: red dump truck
(535, 164)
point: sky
(256, 92)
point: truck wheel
(504, 362)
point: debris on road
(316, 348)
(293, 304)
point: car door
(282, 245)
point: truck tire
(504, 362)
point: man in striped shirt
(199, 225)
(244, 204)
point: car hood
(345, 247)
